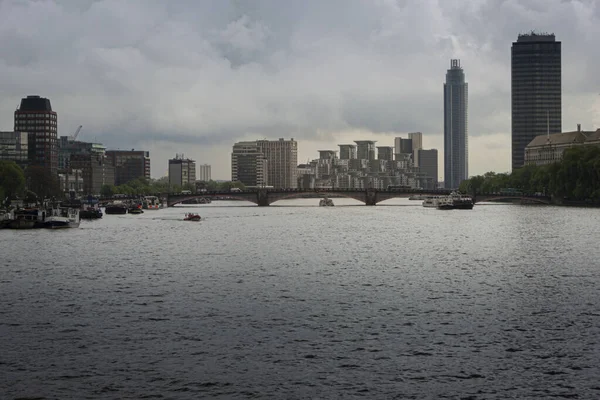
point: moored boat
(63, 217)
(27, 218)
(6, 216)
(116, 207)
(90, 213)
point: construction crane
(74, 137)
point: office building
(95, 169)
(428, 168)
(347, 151)
(129, 165)
(68, 147)
(365, 149)
(182, 171)
(35, 116)
(13, 147)
(204, 173)
(248, 164)
(456, 134)
(282, 162)
(536, 90)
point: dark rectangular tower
(35, 116)
(536, 90)
(456, 133)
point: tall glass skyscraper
(456, 133)
(536, 90)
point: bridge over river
(265, 197)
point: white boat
(432, 201)
(418, 197)
(326, 202)
(62, 218)
(455, 201)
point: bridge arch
(359, 196)
(491, 198)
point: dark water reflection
(305, 302)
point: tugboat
(192, 217)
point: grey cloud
(211, 72)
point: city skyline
(325, 74)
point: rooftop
(577, 136)
(536, 37)
(35, 103)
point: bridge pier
(262, 198)
(370, 197)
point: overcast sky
(195, 76)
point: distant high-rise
(536, 90)
(365, 149)
(282, 161)
(428, 167)
(402, 147)
(385, 153)
(35, 116)
(204, 174)
(248, 164)
(417, 144)
(347, 151)
(129, 165)
(456, 134)
(182, 171)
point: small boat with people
(192, 217)
(455, 201)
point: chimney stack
(578, 127)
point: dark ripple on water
(305, 303)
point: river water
(296, 301)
